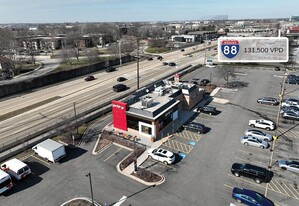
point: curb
(138, 179)
(81, 198)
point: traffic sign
(253, 49)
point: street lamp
(177, 54)
(119, 49)
(90, 183)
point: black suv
(110, 69)
(195, 127)
(207, 109)
(259, 174)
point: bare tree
(74, 42)
(227, 73)
(6, 41)
(92, 55)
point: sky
(59, 11)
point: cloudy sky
(51, 11)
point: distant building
(294, 18)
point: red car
(89, 78)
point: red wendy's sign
(119, 115)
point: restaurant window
(146, 129)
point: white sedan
(258, 134)
(252, 141)
(161, 155)
(289, 165)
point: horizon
(112, 11)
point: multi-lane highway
(48, 106)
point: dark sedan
(268, 100)
(207, 109)
(89, 78)
(250, 197)
(121, 79)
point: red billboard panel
(119, 115)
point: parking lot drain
(191, 143)
(183, 155)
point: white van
(16, 169)
(5, 182)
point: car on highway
(161, 155)
(195, 127)
(289, 165)
(164, 63)
(268, 100)
(262, 123)
(121, 79)
(110, 69)
(258, 134)
(250, 197)
(89, 78)
(258, 174)
(253, 141)
(149, 58)
(119, 87)
(182, 50)
(159, 58)
(290, 115)
(172, 64)
(207, 109)
(204, 82)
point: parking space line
(294, 189)
(189, 135)
(289, 189)
(179, 146)
(228, 186)
(112, 154)
(270, 187)
(272, 183)
(25, 157)
(241, 159)
(240, 178)
(41, 160)
(161, 163)
(282, 188)
(261, 156)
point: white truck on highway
(50, 150)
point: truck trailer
(50, 150)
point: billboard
(119, 115)
(253, 49)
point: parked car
(290, 115)
(161, 155)
(121, 79)
(110, 69)
(289, 165)
(250, 197)
(258, 174)
(119, 87)
(253, 141)
(89, 78)
(262, 123)
(258, 134)
(289, 108)
(195, 127)
(165, 63)
(172, 64)
(204, 82)
(290, 102)
(292, 81)
(207, 109)
(268, 100)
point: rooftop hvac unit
(146, 102)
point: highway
(53, 104)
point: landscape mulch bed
(108, 137)
(79, 203)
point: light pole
(177, 54)
(137, 63)
(75, 111)
(90, 183)
(119, 49)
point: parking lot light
(90, 183)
